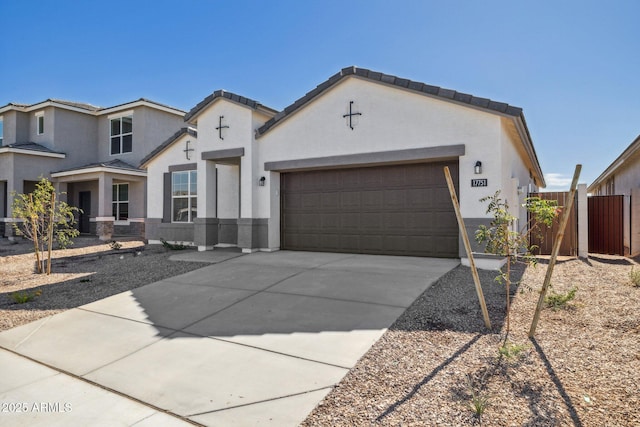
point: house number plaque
(479, 182)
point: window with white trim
(184, 200)
(121, 135)
(1, 130)
(40, 123)
(120, 202)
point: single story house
(355, 165)
(622, 178)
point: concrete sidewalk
(253, 339)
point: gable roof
(202, 105)
(436, 91)
(449, 95)
(160, 148)
(620, 161)
(82, 107)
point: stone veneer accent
(104, 229)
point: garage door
(395, 210)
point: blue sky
(573, 66)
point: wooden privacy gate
(606, 225)
(569, 246)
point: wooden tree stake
(34, 228)
(50, 231)
(554, 252)
(467, 246)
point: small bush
(634, 277)
(24, 297)
(560, 300)
(115, 245)
(479, 400)
(511, 350)
(171, 246)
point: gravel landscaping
(583, 368)
(88, 271)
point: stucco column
(205, 226)
(18, 187)
(104, 220)
(61, 189)
(583, 222)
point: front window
(40, 123)
(122, 135)
(184, 206)
(120, 202)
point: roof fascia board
(616, 164)
(189, 132)
(98, 170)
(45, 104)
(140, 103)
(525, 137)
(108, 110)
(219, 95)
(31, 152)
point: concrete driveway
(250, 340)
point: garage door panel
(371, 221)
(395, 199)
(350, 222)
(398, 210)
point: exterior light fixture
(261, 181)
(478, 168)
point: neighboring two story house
(90, 153)
(355, 165)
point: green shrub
(21, 297)
(634, 277)
(559, 300)
(511, 350)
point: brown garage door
(396, 210)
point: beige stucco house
(355, 165)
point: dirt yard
(582, 369)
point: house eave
(632, 149)
(4, 150)
(118, 171)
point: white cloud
(557, 182)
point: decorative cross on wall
(187, 150)
(220, 127)
(351, 114)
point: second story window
(122, 135)
(40, 123)
(1, 130)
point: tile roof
(31, 146)
(228, 95)
(75, 104)
(91, 109)
(160, 148)
(112, 164)
(436, 91)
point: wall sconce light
(478, 167)
(261, 181)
